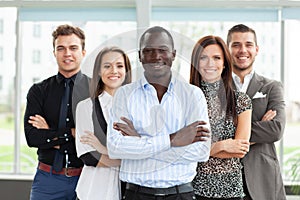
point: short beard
(243, 69)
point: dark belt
(65, 171)
(178, 189)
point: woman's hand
(90, 139)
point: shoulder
(82, 77)
(267, 81)
(187, 88)
(129, 88)
(243, 101)
(241, 96)
(43, 85)
(85, 104)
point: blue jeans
(50, 186)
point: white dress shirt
(242, 87)
(95, 182)
(150, 160)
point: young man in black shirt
(49, 121)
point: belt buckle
(66, 167)
(159, 192)
(66, 172)
(159, 195)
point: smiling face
(157, 55)
(69, 54)
(112, 71)
(243, 50)
(211, 63)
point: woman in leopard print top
(230, 120)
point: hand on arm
(239, 146)
(126, 129)
(90, 139)
(194, 132)
(38, 122)
(230, 148)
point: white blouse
(95, 183)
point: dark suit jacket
(261, 166)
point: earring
(224, 67)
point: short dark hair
(68, 30)
(242, 29)
(157, 29)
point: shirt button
(67, 119)
(48, 140)
(68, 104)
(65, 134)
(66, 151)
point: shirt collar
(60, 77)
(105, 99)
(145, 84)
(237, 78)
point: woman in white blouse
(100, 175)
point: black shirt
(44, 99)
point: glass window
(7, 92)
(37, 30)
(36, 56)
(291, 139)
(1, 26)
(1, 83)
(1, 54)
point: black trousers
(247, 197)
(205, 198)
(123, 189)
(135, 195)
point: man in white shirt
(169, 118)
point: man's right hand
(194, 132)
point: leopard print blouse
(220, 178)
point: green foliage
(7, 121)
(295, 173)
(28, 158)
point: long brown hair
(97, 85)
(229, 102)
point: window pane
(7, 91)
(291, 135)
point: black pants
(123, 189)
(247, 197)
(135, 195)
(205, 198)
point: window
(7, 89)
(36, 57)
(1, 53)
(291, 159)
(36, 30)
(1, 26)
(1, 83)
